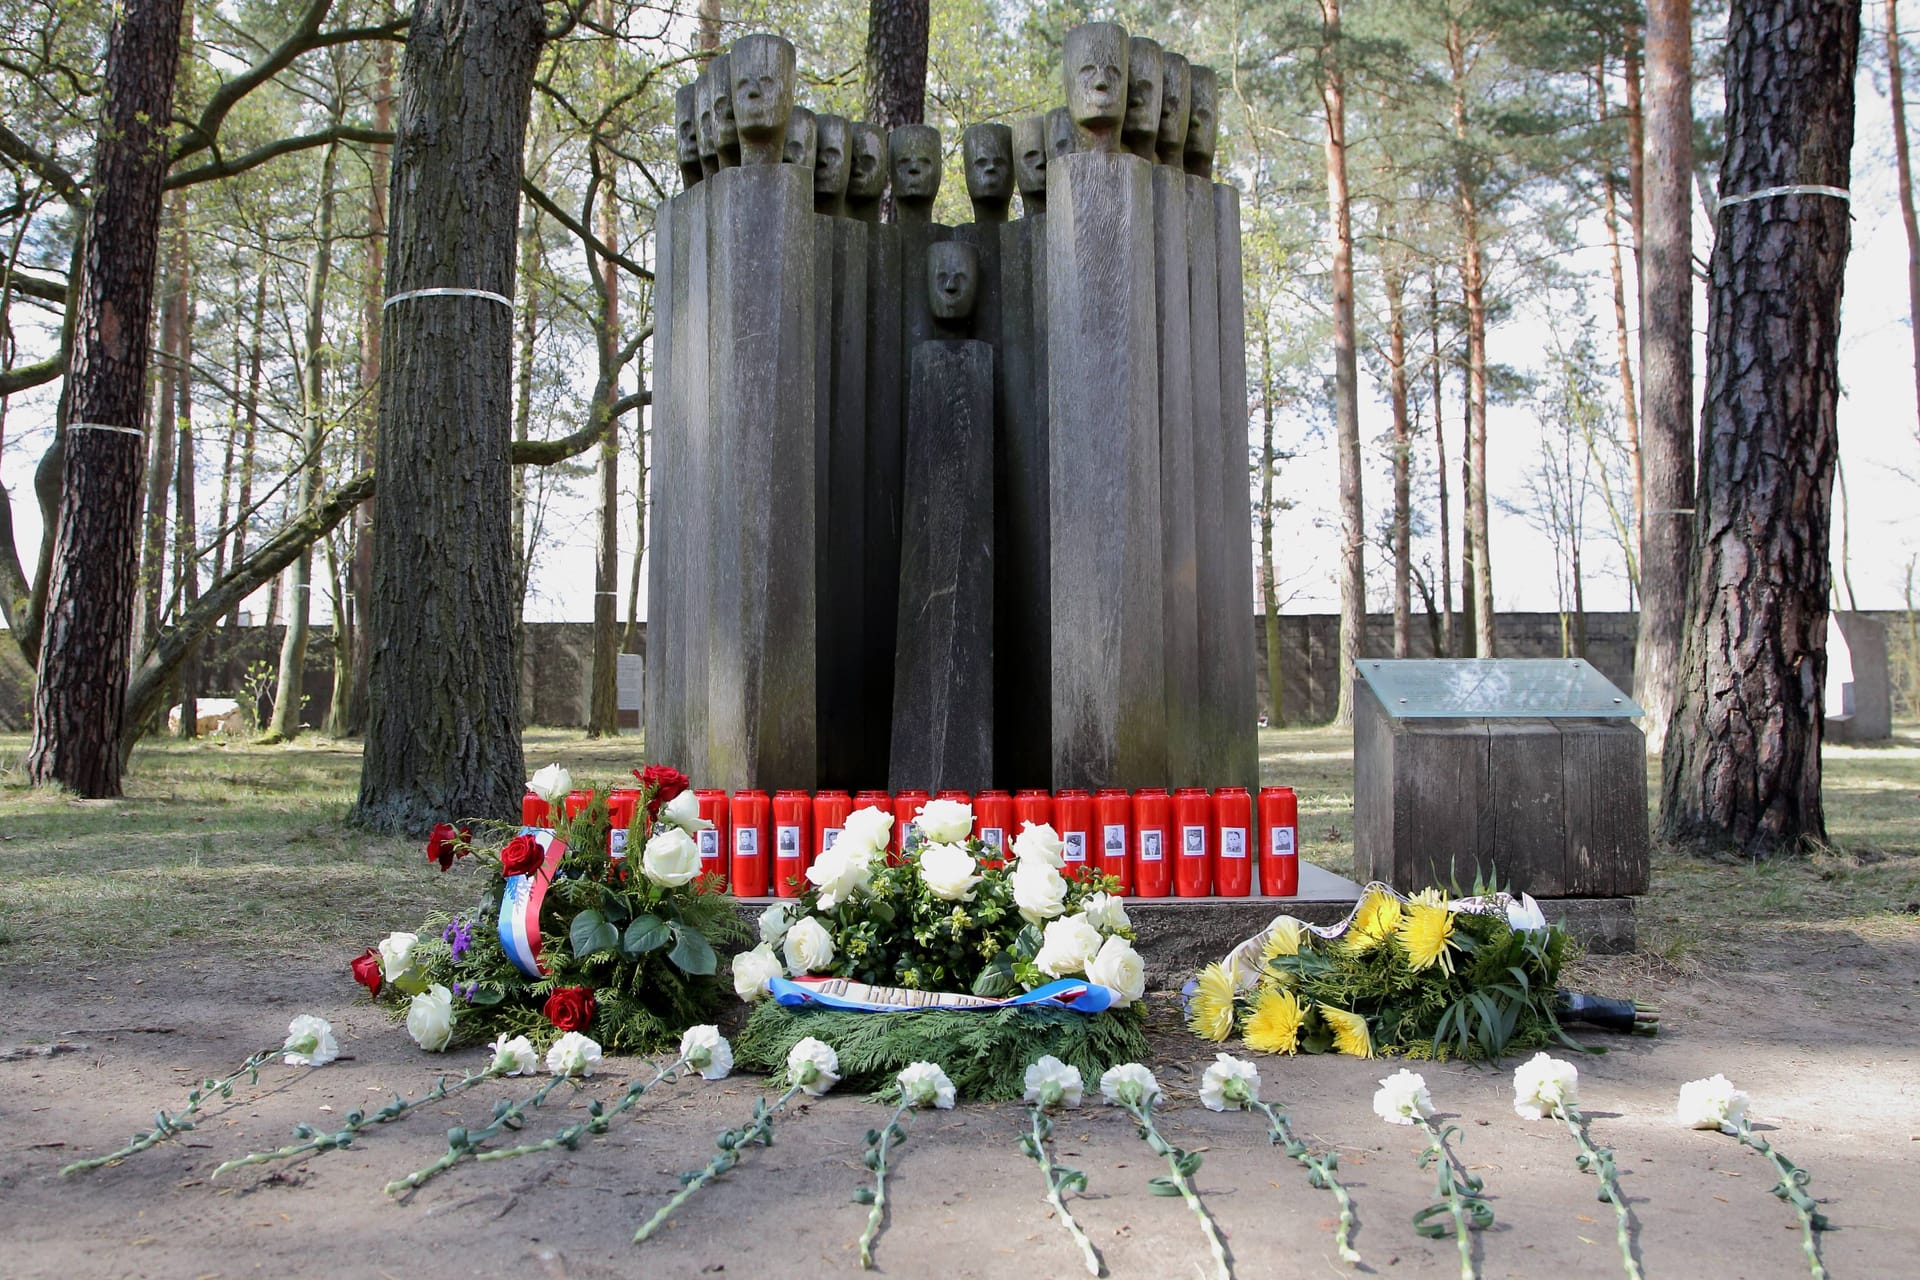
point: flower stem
(1792, 1189)
(462, 1143)
(878, 1157)
(597, 1123)
(731, 1143)
(1320, 1173)
(1180, 1164)
(166, 1124)
(356, 1121)
(1459, 1194)
(1059, 1179)
(1599, 1162)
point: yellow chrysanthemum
(1376, 919)
(1426, 935)
(1282, 940)
(1274, 1026)
(1350, 1033)
(1210, 1015)
(1431, 896)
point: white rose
(515, 1057)
(1403, 1098)
(1712, 1103)
(751, 969)
(775, 921)
(551, 784)
(948, 871)
(310, 1042)
(396, 955)
(809, 947)
(1039, 844)
(1129, 1084)
(573, 1055)
(671, 858)
(1067, 947)
(683, 811)
(814, 1066)
(1108, 913)
(1229, 1083)
(841, 870)
(945, 821)
(1053, 1083)
(430, 1018)
(924, 1084)
(1119, 968)
(1543, 1086)
(1038, 890)
(707, 1051)
(870, 828)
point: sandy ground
(1826, 1045)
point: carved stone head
(686, 133)
(761, 69)
(867, 177)
(1030, 161)
(705, 128)
(1146, 74)
(953, 279)
(1175, 98)
(913, 154)
(988, 152)
(1096, 67)
(801, 139)
(1203, 127)
(832, 163)
(726, 134)
(1061, 139)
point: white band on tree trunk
(106, 426)
(500, 298)
(1767, 193)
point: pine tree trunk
(603, 706)
(186, 561)
(1742, 765)
(1468, 622)
(82, 675)
(249, 438)
(897, 62)
(1903, 165)
(1269, 586)
(443, 727)
(1666, 365)
(525, 343)
(1445, 648)
(1395, 281)
(1346, 376)
(707, 33)
(173, 293)
(1473, 282)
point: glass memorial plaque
(1493, 688)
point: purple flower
(460, 935)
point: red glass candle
(622, 803)
(1279, 842)
(535, 812)
(1193, 862)
(577, 801)
(993, 823)
(906, 807)
(1232, 842)
(792, 816)
(713, 841)
(748, 874)
(1153, 834)
(830, 810)
(1113, 834)
(1030, 806)
(1073, 818)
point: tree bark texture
(1742, 765)
(1269, 588)
(443, 728)
(1394, 277)
(897, 62)
(1666, 364)
(160, 462)
(82, 675)
(250, 432)
(603, 703)
(1903, 165)
(1438, 370)
(1475, 540)
(186, 518)
(1346, 375)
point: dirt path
(1827, 1048)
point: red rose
(570, 1008)
(662, 782)
(522, 856)
(366, 970)
(446, 843)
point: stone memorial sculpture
(1176, 79)
(1061, 140)
(913, 156)
(832, 164)
(706, 128)
(867, 181)
(1203, 123)
(1146, 75)
(1096, 64)
(726, 133)
(802, 140)
(987, 150)
(1030, 163)
(953, 286)
(686, 133)
(762, 71)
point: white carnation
(945, 821)
(1129, 1084)
(1119, 968)
(924, 1084)
(1544, 1086)
(707, 1051)
(573, 1055)
(1039, 844)
(1067, 946)
(1712, 1103)
(948, 872)
(1038, 890)
(1403, 1098)
(1053, 1083)
(310, 1042)
(813, 1066)
(809, 947)
(752, 969)
(515, 1057)
(1229, 1084)
(430, 1018)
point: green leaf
(486, 996)
(1162, 1187)
(646, 933)
(691, 953)
(591, 933)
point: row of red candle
(1214, 853)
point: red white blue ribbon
(520, 906)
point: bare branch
(32, 375)
(272, 151)
(546, 205)
(43, 166)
